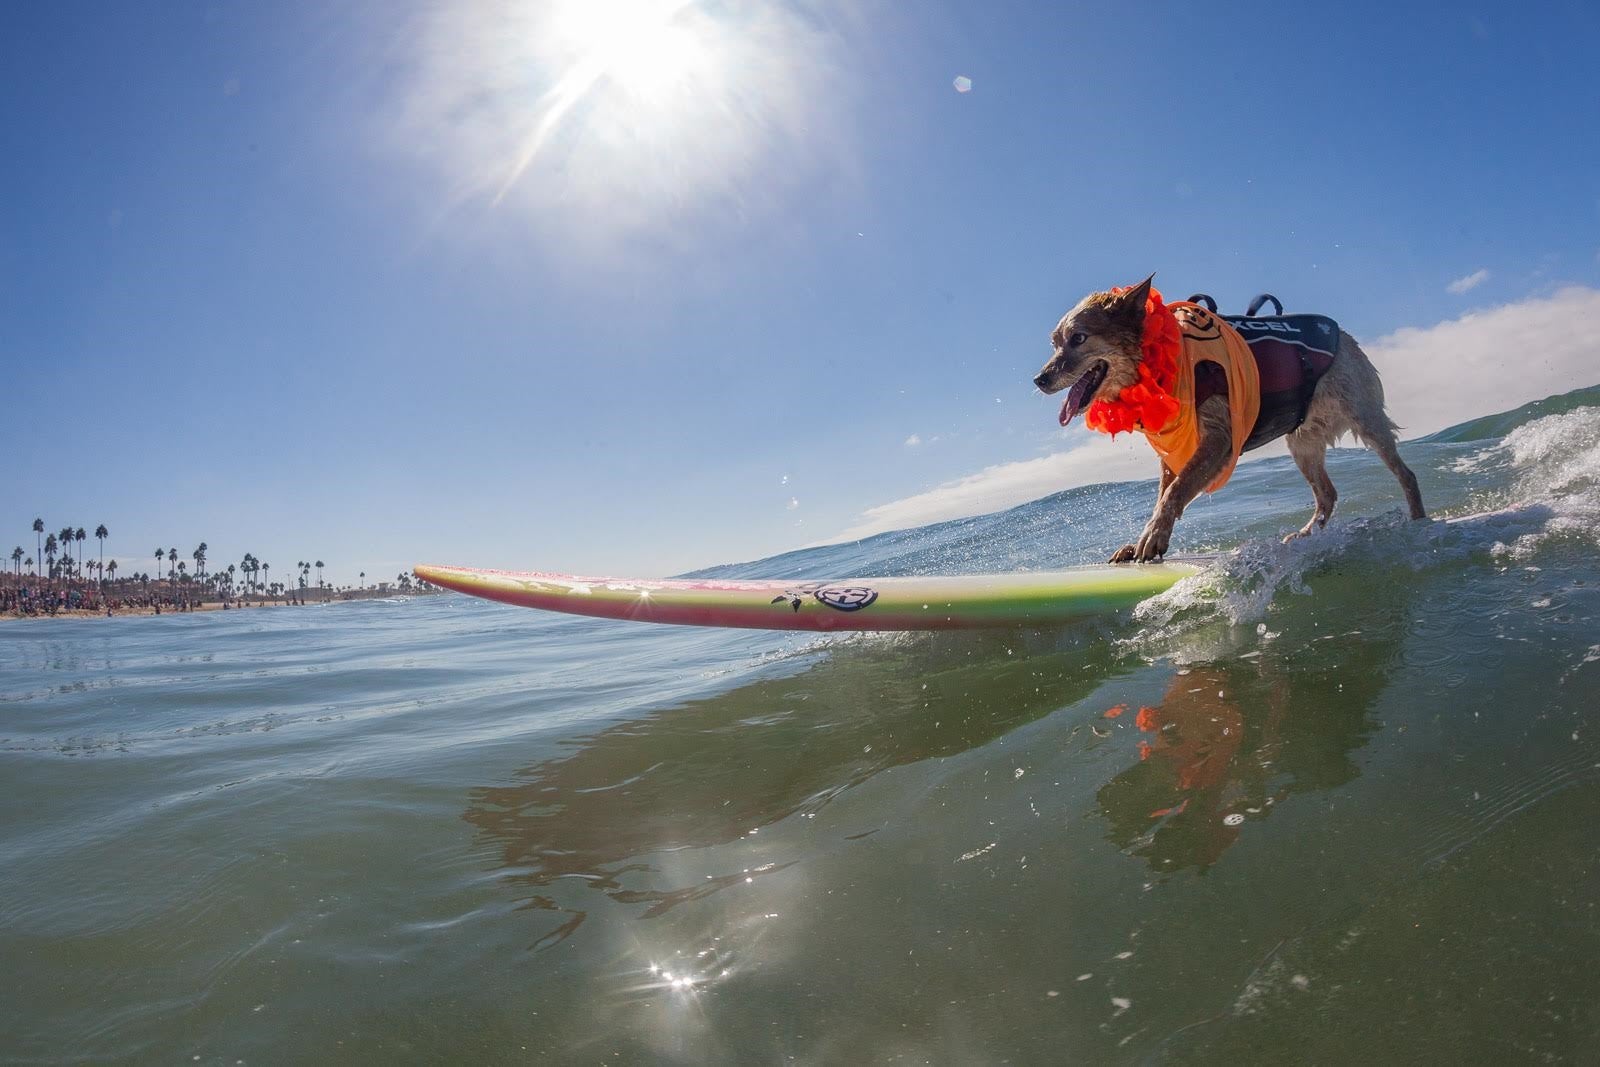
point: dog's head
(1097, 348)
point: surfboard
(935, 603)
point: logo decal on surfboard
(847, 597)
(838, 597)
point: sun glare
(604, 117)
(632, 70)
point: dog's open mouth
(1082, 390)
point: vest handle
(1201, 298)
(1255, 305)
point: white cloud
(913, 441)
(1005, 485)
(1488, 361)
(1471, 281)
(1433, 377)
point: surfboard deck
(936, 603)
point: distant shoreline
(58, 582)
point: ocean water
(1337, 801)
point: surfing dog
(1119, 357)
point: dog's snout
(1041, 379)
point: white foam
(1240, 586)
(1556, 461)
(1549, 471)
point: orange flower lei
(1147, 404)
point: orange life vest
(1206, 337)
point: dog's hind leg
(1380, 439)
(1349, 399)
(1310, 450)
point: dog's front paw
(1153, 544)
(1124, 554)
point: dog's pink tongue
(1074, 401)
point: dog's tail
(1371, 412)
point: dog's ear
(1132, 301)
(1141, 292)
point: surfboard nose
(430, 572)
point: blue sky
(639, 287)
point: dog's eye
(1075, 340)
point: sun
(640, 46)
(633, 69)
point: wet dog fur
(1107, 328)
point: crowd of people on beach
(44, 600)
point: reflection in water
(1210, 761)
(719, 769)
(1224, 744)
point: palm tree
(101, 533)
(161, 554)
(319, 566)
(363, 579)
(16, 560)
(50, 554)
(172, 558)
(112, 567)
(81, 535)
(200, 558)
(38, 530)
